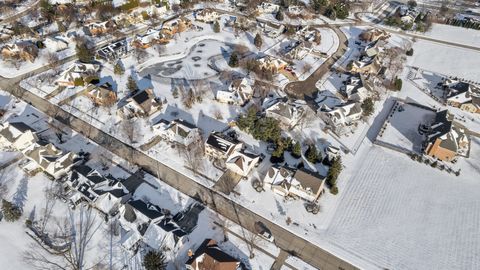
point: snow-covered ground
(455, 34)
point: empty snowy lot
(405, 215)
(446, 60)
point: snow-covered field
(402, 214)
(455, 34)
(446, 60)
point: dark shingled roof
(220, 141)
(210, 248)
(149, 210)
(441, 126)
(141, 97)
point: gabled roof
(149, 210)
(309, 180)
(221, 142)
(210, 248)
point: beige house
(297, 183)
(241, 162)
(142, 103)
(102, 95)
(51, 159)
(373, 34)
(207, 15)
(24, 51)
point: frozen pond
(195, 65)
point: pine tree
(367, 107)
(312, 154)
(334, 171)
(10, 211)
(175, 93)
(84, 54)
(118, 69)
(233, 62)
(279, 16)
(216, 27)
(154, 260)
(257, 41)
(132, 84)
(297, 150)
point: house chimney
(190, 253)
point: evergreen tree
(84, 54)
(297, 150)
(367, 107)
(398, 84)
(175, 92)
(233, 62)
(279, 16)
(154, 260)
(246, 122)
(118, 69)
(277, 155)
(267, 129)
(257, 41)
(312, 154)
(10, 211)
(132, 84)
(216, 27)
(334, 171)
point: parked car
(263, 231)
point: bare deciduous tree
(130, 129)
(193, 156)
(78, 229)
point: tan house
(24, 50)
(444, 140)
(99, 28)
(366, 65)
(463, 95)
(271, 64)
(209, 256)
(51, 159)
(297, 183)
(373, 34)
(102, 95)
(142, 103)
(178, 25)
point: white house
(17, 135)
(177, 131)
(287, 113)
(295, 10)
(298, 183)
(239, 93)
(76, 70)
(356, 88)
(220, 146)
(146, 39)
(55, 44)
(342, 115)
(266, 7)
(207, 15)
(51, 159)
(241, 162)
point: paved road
(20, 14)
(306, 88)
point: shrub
(233, 62)
(334, 171)
(397, 84)
(78, 82)
(279, 16)
(257, 41)
(118, 69)
(409, 52)
(216, 27)
(312, 154)
(297, 150)
(10, 211)
(334, 190)
(367, 107)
